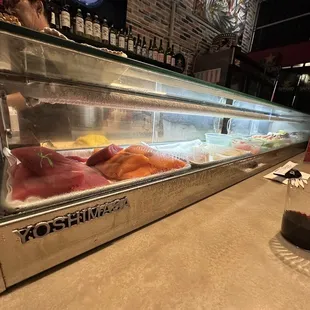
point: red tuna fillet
(77, 158)
(27, 185)
(44, 173)
(92, 179)
(103, 155)
(45, 162)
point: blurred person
(31, 13)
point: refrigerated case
(62, 101)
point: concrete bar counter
(216, 254)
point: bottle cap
(293, 174)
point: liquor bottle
(96, 29)
(72, 24)
(65, 18)
(51, 15)
(150, 51)
(135, 45)
(126, 39)
(138, 46)
(117, 36)
(79, 23)
(121, 40)
(88, 26)
(161, 52)
(144, 50)
(112, 36)
(57, 18)
(105, 32)
(172, 56)
(130, 40)
(155, 50)
(168, 54)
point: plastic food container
(246, 145)
(218, 139)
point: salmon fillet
(160, 161)
(123, 166)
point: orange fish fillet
(125, 165)
(160, 161)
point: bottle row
(91, 28)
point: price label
(53, 19)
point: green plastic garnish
(42, 156)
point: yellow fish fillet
(91, 140)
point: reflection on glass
(183, 127)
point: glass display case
(96, 145)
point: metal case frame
(145, 204)
(39, 239)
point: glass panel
(76, 126)
(178, 127)
(75, 131)
(57, 59)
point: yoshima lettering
(41, 229)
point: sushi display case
(94, 146)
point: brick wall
(151, 18)
(249, 25)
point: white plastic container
(218, 139)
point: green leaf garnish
(42, 156)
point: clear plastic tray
(10, 206)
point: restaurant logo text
(41, 229)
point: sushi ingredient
(137, 161)
(160, 161)
(25, 185)
(92, 178)
(44, 173)
(103, 155)
(91, 141)
(77, 158)
(119, 166)
(44, 162)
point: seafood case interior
(80, 126)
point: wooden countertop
(216, 254)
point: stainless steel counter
(216, 254)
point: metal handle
(6, 116)
(5, 130)
(229, 126)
